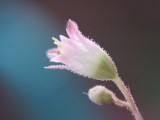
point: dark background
(128, 29)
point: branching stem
(129, 99)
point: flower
(81, 55)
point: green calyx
(105, 98)
(105, 68)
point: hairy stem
(129, 99)
(120, 102)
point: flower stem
(129, 99)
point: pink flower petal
(52, 53)
(64, 39)
(60, 59)
(57, 67)
(73, 32)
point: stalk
(129, 99)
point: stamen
(56, 41)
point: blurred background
(128, 30)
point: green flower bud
(100, 95)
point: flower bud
(100, 95)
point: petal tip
(46, 67)
(69, 20)
(61, 37)
(51, 60)
(71, 24)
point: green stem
(129, 99)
